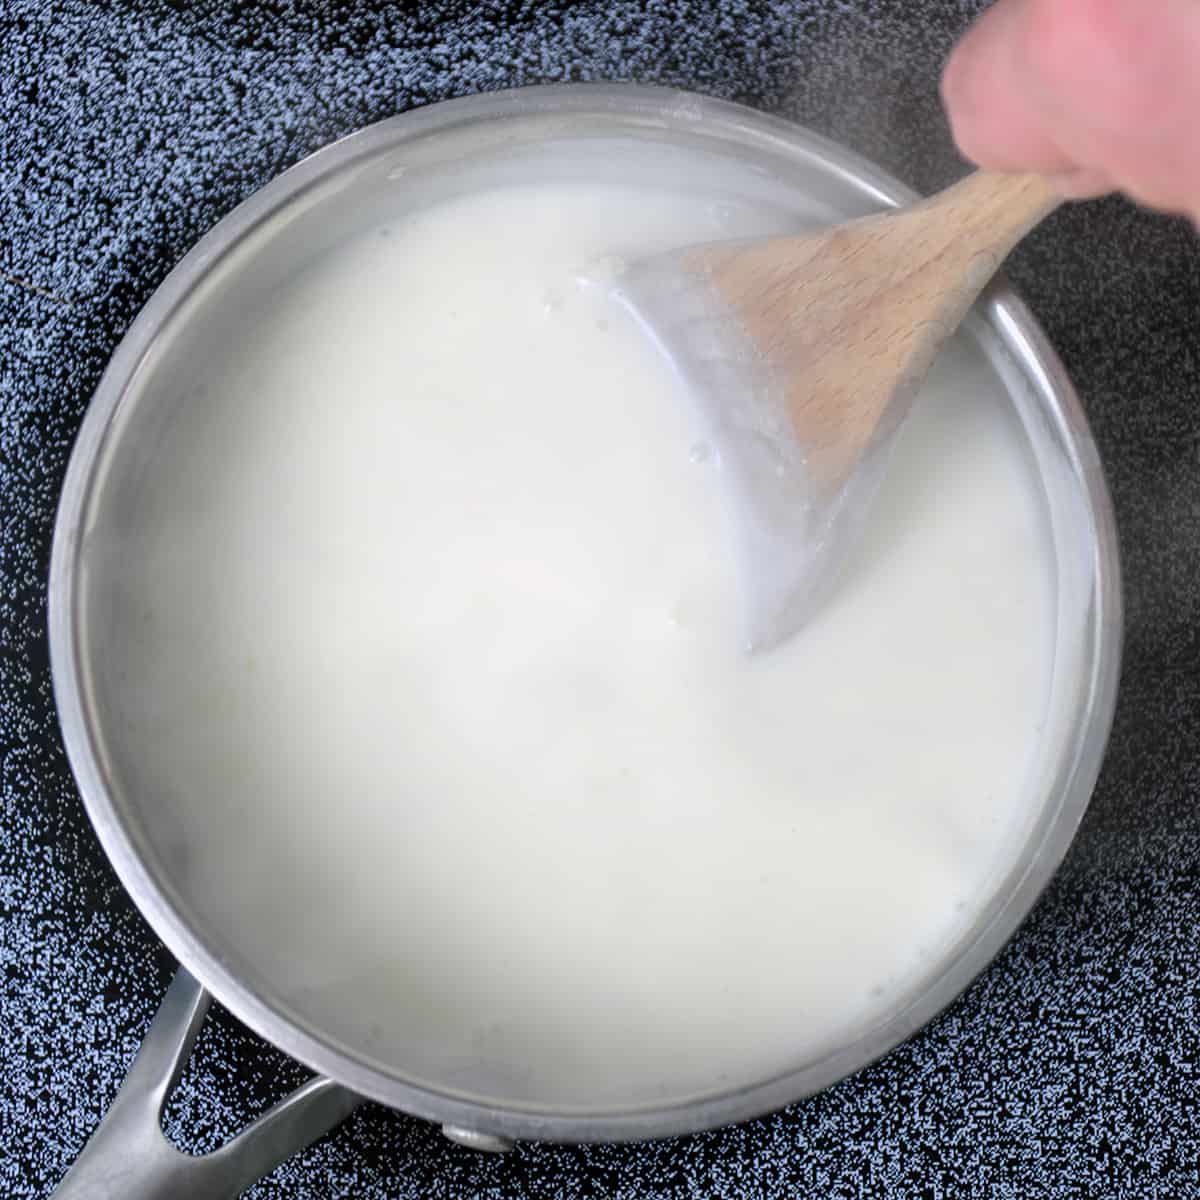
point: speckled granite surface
(1071, 1069)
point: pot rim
(1006, 314)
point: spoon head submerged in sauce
(804, 354)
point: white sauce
(436, 663)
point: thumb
(1106, 89)
(996, 118)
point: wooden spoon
(806, 352)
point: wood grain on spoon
(850, 318)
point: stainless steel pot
(247, 253)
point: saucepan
(233, 269)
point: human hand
(1099, 94)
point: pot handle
(129, 1157)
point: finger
(997, 120)
(1079, 183)
(1098, 93)
(1121, 87)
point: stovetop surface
(1071, 1068)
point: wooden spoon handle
(879, 298)
(950, 245)
(995, 208)
(986, 214)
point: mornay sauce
(437, 660)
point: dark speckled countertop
(127, 128)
